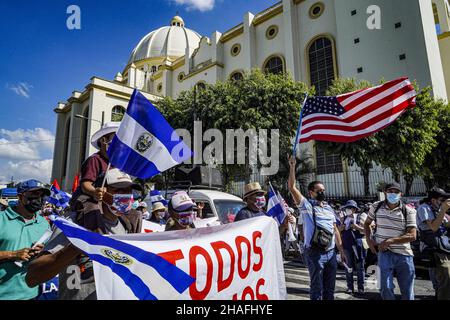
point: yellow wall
(444, 47)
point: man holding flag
(321, 236)
(76, 279)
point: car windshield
(227, 209)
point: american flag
(352, 116)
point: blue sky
(42, 61)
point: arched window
(201, 86)
(117, 113)
(321, 64)
(153, 69)
(236, 76)
(66, 148)
(83, 136)
(274, 65)
(437, 22)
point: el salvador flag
(145, 144)
(275, 206)
(148, 276)
(58, 197)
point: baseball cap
(142, 204)
(393, 185)
(350, 204)
(32, 185)
(181, 201)
(119, 179)
(438, 193)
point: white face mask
(348, 212)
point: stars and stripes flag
(352, 116)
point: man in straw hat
(94, 166)
(158, 213)
(256, 202)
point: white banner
(236, 261)
(148, 227)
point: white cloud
(23, 170)
(22, 89)
(201, 5)
(25, 144)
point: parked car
(217, 204)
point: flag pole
(104, 178)
(296, 142)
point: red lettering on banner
(260, 296)
(193, 253)
(248, 291)
(239, 240)
(172, 256)
(258, 251)
(223, 283)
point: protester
(351, 233)
(321, 236)
(21, 227)
(158, 213)
(94, 168)
(395, 230)
(432, 224)
(76, 278)
(142, 207)
(181, 210)
(255, 200)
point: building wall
(444, 47)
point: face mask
(34, 204)
(260, 202)
(121, 204)
(393, 198)
(135, 205)
(161, 215)
(186, 219)
(320, 196)
(348, 212)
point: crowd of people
(108, 202)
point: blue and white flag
(275, 206)
(145, 144)
(147, 275)
(58, 197)
(156, 196)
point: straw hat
(158, 206)
(252, 188)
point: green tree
(362, 152)
(259, 101)
(437, 162)
(407, 142)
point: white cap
(119, 179)
(107, 128)
(143, 204)
(181, 201)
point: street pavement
(297, 284)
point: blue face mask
(393, 198)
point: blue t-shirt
(325, 218)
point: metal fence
(340, 185)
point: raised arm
(296, 194)
(48, 265)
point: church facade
(314, 41)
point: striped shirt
(391, 224)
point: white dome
(166, 41)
